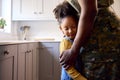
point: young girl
(68, 19)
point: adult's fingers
(61, 60)
(66, 66)
(61, 55)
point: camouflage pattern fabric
(101, 57)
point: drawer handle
(40, 12)
(6, 52)
(28, 51)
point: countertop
(24, 41)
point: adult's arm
(85, 26)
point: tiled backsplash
(38, 30)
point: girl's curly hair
(63, 10)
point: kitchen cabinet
(28, 63)
(33, 9)
(49, 61)
(36, 61)
(8, 62)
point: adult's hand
(67, 58)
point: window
(5, 13)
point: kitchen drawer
(7, 51)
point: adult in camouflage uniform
(101, 56)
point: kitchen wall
(40, 29)
(7, 36)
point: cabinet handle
(6, 52)
(35, 12)
(28, 51)
(40, 12)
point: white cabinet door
(48, 6)
(26, 9)
(33, 9)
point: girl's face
(69, 27)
